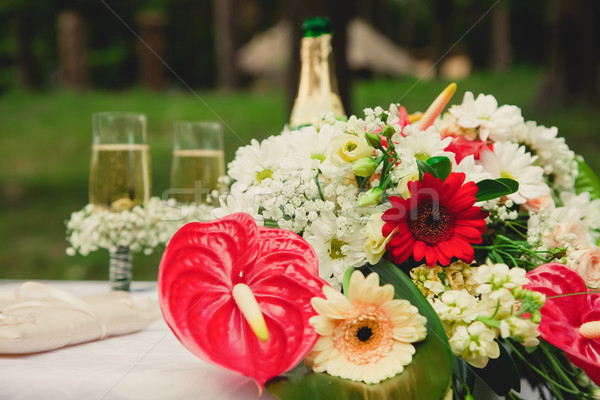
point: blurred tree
(73, 71)
(574, 59)
(151, 48)
(226, 43)
(501, 52)
(339, 12)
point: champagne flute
(198, 160)
(119, 176)
(120, 168)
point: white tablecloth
(150, 364)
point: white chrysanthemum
(554, 155)
(421, 145)
(258, 161)
(308, 148)
(509, 160)
(475, 343)
(473, 171)
(338, 246)
(483, 113)
(366, 337)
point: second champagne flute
(198, 160)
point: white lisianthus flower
(483, 113)
(347, 148)
(475, 343)
(509, 160)
(375, 241)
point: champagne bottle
(317, 89)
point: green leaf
(427, 377)
(586, 180)
(423, 168)
(493, 188)
(500, 374)
(441, 165)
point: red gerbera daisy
(438, 221)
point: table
(150, 364)
(146, 365)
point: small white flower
(509, 160)
(491, 277)
(483, 113)
(475, 343)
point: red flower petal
(199, 268)
(562, 316)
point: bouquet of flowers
(482, 227)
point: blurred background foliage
(62, 60)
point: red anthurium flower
(571, 323)
(437, 222)
(238, 295)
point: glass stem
(119, 272)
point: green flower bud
(371, 197)
(388, 131)
(364, 167)
(373, 140)
(536, 317)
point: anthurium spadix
(238, 295)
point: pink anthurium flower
(238, 295)
(571, 323)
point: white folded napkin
(40, 318)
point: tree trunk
(501, 56)
(572, 72)
(29, 71)
(73, 72)
(225, 44)
(151, 53)
(442, 18)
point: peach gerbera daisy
(366, 337)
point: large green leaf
(425, 168)
(587, 180)
(441, 165)
(489, 189)
(427, 377)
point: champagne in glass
(120, 168)
(198, 161)
(120, 176)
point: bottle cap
(316, 26)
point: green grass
(45, 152)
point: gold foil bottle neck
(317, 89)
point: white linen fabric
(39, 318)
